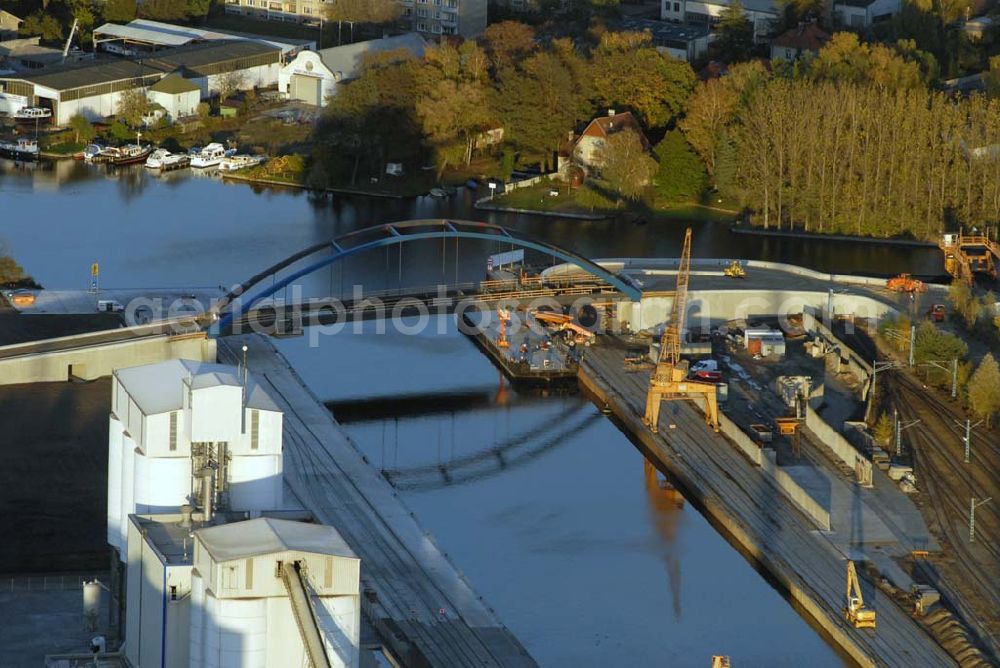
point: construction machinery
(735, 270)
(968, 255)
(905, 283)
(670, 376)
(937, 312)
(504, 316)
(856, 613)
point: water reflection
(665, 505)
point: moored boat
(210, 156)
(129, 154)
(91, 151)
(32, 114)
(242, 161)
(156, 158)
(23, 149)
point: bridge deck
(760, 517)
(425, 611)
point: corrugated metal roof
(268, 535)
(346, 59)
(67, 77)
(150, 32)
(194, 56)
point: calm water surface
(546, 507)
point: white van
(109, 306)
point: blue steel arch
(391, 234)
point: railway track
(937, 456)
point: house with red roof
(587, 147)
(793, 44)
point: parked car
(706, 370)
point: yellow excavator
(735, 270)
(856, 613)
(670, 377)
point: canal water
(540, 500)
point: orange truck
(937, 312)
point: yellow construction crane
(856, 613)
(670, 377)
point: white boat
(176, 161)
(156, 158)
(242, 161)
(210, 156)
(22, 149)
(92, 151)
(32, 114)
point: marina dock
(423, 609)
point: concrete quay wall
(74, 358)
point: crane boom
(669, 380)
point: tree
(883, 432)
(964, 303)
(452, 114)
(984, 389)
(10, 270)
(734, 34)
(991, 78)
(132, 106)
(83, 131)
(120, 11)
(681, 174)
(625, 163)
(932, 345)
(628, 71)
(362, 11)
(44, 25)
(230, 83)
(507, 42)
(846, 59)
(163, 10)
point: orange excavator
(670, 377)
(905, 283)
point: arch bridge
(235, 305)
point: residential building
(445, 17)
(761, 13)
(682, 41)
(978, 27)
(430, 17)
(863, 13)
(260, 592)
(806, 38)
(313, 76)
(587, 147)
(179, 97)
(182, 430)
(94, 88)
(9, 25)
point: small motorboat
(438, 192)
(91, 151)
(242, 161)
(155, 159)
(23, 149)
(118, 156)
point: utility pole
(967, 439)
(952, 366)
(972, 516)
(876, 367)
(899, 431)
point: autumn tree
(846, 59)
(625, 163)
(883, 431)
(453, 113)
(43, 25)
(628, 71)
(537, 106)
(681, 174)
(10, 270)
(83, 131)
(132, 106)
(507, 42)
(984, 389)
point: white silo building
(262, 592)
(190, 432)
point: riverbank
(280, 183)
(799, 234)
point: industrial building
(143, 36)
(94, 89)
(313, 76)
(682, 41)
(262, 592)
(182, 431)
